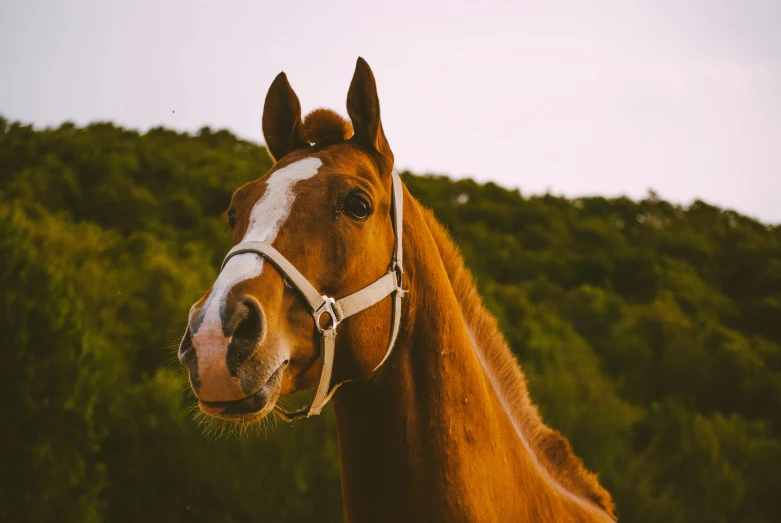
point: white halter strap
(340, 309)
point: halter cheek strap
(338, 310)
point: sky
(572, 98)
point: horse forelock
(324, 126)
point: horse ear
(363, 106)
(282, 119)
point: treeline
(650, 335)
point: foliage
(649, 332)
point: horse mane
(553, 450)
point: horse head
(326, 208)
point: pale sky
(575, 98)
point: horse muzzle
(251, 408)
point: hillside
(650, 334)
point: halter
(338, 310)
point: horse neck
(428, 438)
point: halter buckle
(327, 307)
(398, 270)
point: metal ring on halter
(326, 308)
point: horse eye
(232, 218)
(356, 207)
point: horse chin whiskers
(234, 429)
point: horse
(434, 420)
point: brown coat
(445, 429)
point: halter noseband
(338, 310)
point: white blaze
(265, 221)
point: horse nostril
(250, 326)
(186, 347)
(188, 359)
(247, 335)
